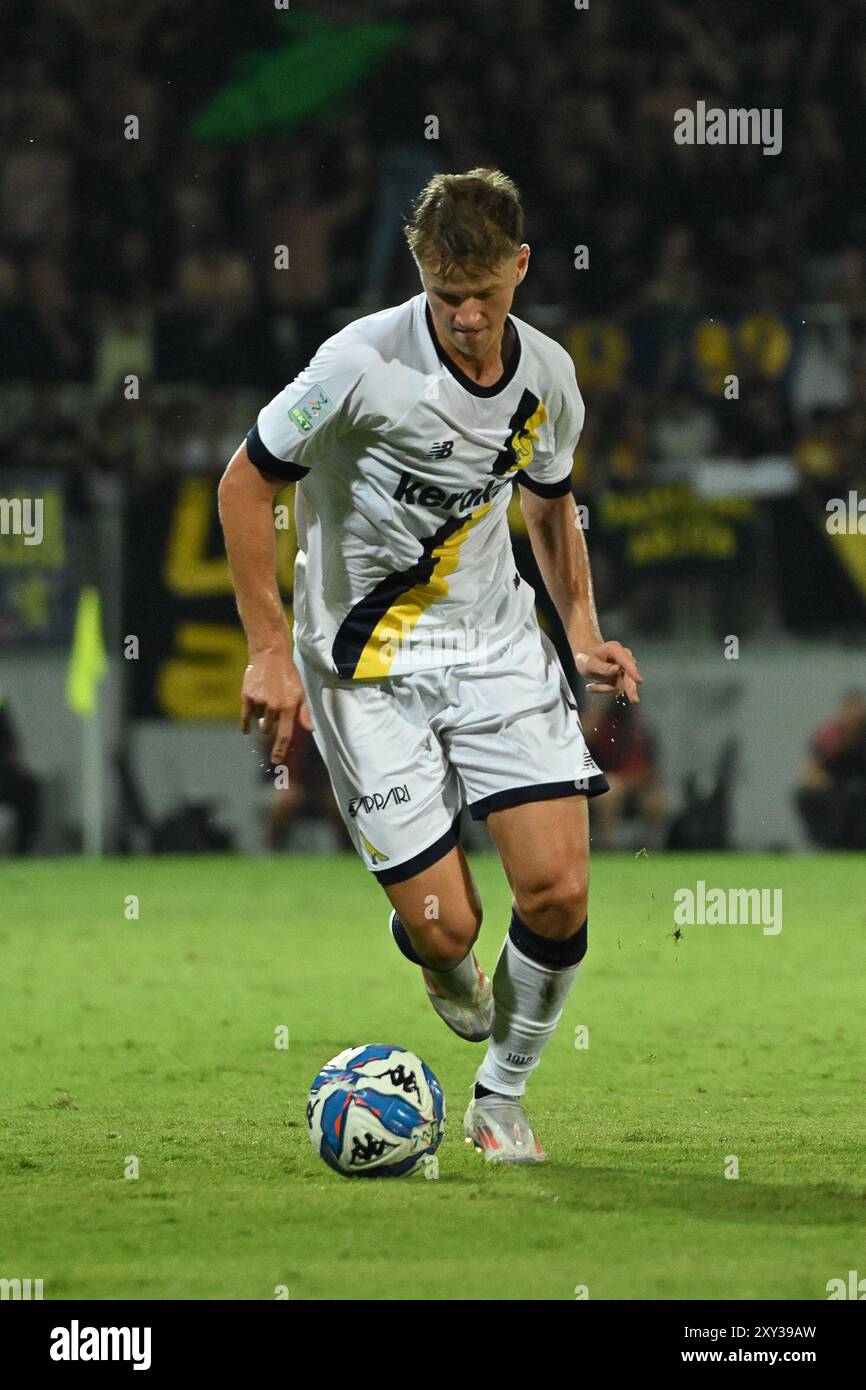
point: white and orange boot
(498, 1127)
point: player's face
(469, 311)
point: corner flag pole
(87, 666)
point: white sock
(530, 986)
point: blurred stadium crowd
(155, 255)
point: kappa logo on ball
(379, 800)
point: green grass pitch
(155, 1038)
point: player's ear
(522, 262)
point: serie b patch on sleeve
(311, 410)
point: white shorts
(406, 754)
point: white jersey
(405, 470)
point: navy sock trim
(401, 936)
(555, 955)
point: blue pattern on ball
(351, 1088)
(398, 1116)
(333, 1108)
(436, 1093)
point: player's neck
(486, 370)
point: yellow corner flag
(87, 661)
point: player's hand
(612, 670)
(272, 692)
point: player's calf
(436, 919)
(533, 977)
(461, 994)
(438, 944)
(440, 912)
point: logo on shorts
(376, 855)
(379, 800)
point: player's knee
(449, 939)
(555, 907)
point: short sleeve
(322, 402)
(549, 474)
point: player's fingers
(248, 709)
(270, 719)
(596, 665)
(630, 690)
(601, 689)
(284, 736)
(305, 717)
(622, 655)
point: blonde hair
(466, 221)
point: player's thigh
(395, 791)
(544, 848)
(440, 908)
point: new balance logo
(379, 800)
(440, 451)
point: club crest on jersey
(311, 409)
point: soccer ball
(375, 1112)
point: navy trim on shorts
(541, 791)
(266, 462)
(559, 489)
(431, 855)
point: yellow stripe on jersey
(378, 655)
(525, 438)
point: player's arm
(559, 546)
(272, 691)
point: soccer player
(417, 656)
